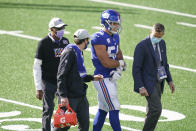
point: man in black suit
(150, 70)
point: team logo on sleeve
(108, 40)
(65, 42)
(58, 52)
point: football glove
(122, 66)
(115, 75)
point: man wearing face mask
(45, 68)
(150, 70)
(71, 79)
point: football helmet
(110, 19)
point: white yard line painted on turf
(186, 24)
(97, 27)
(17, 33)
(21, 127)
(4, 32)
(88, 49)
(14, 33)
(20, 103)
(9, 114)
(145, 8)
(143, 26)
(40, 108)
(182, 68)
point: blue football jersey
(80, 61)
(111, 43)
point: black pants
(81, 108)
(154, 108)
(49, 92)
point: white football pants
(107, 95)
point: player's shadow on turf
(72, 8)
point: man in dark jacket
(71, 77)
(150, 70)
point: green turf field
(32, 17)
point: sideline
(17, 33)
(145, 8)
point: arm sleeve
(88, 78)
(64, 68)
(137, 67)
(37, 73)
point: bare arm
(104, 58)
(119, 54)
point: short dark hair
(159, 27)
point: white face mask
(60, 33)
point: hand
(172, 88)
(39, 94)
(115, 75)
(98, 77)
(123, 65)
(143, 92)
(64, 101)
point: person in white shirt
(45, 68)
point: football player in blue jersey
(108, 61)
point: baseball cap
(81, 34)
(56, 22)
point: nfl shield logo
(108, 40)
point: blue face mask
(86, 45)
(155, 39)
